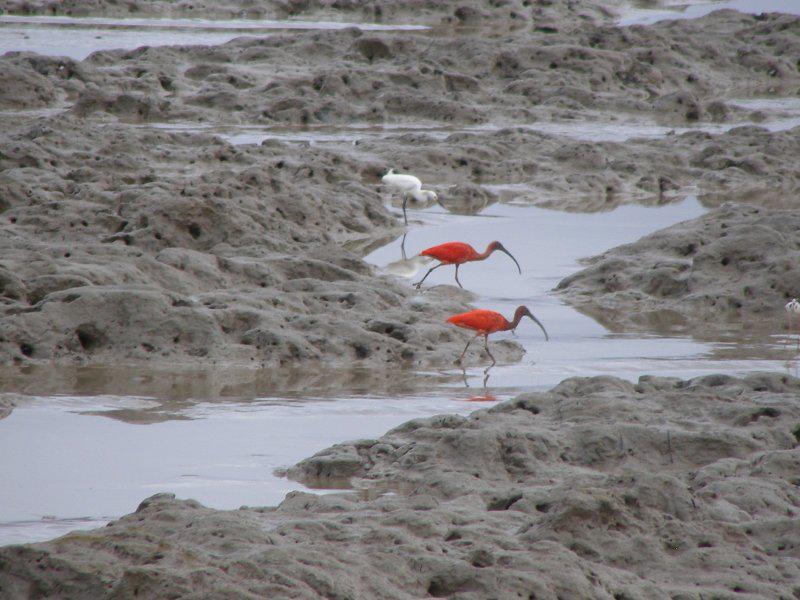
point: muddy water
(77, 38)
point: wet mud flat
(127, 241)
(662, 489)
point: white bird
(409, 186)
(793, 308)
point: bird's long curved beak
(502, 249)
(546, 337)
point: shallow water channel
(78, 455)
(79, 459)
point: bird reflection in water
(407, 267)
(486, 396)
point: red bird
(489, 321)
(457, 253)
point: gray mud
(598, 488)
(123, 242)
(182, 248)
(7, 404)
(730, 270)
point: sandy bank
(597, 488)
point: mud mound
(21, 88)
(125, 244)
(511, 13)
(744, 164)
(7, 404)
(738, 264)
(598, 488)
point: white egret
(793, 308)
(409, 186)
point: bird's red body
(452, 253)
(458, 253)
(485, 322)
(482, 321)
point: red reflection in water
(482, 398)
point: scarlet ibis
(409, 185)
(793, 308)
(488, 321)
(457, 253)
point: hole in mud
(361, 351)
(89, 337)
(543, 507)
(503, 503)
(438, 589)
(194, 230)
(765, 412)
(26, 349)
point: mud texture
(730, 270)
(126, 239)
(510, 13)
(598, 488)
(120, 243)
(7, 404)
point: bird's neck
(513, 324)
(485, 254)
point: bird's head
(431, 196)
(523, 311)
(498, 246)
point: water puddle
(73, 468)
(777, 114)
(80, 458)
(695, 10)
(548, 245)
(77, 38)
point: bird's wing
(480, 320)
(401, 181)
(450, 252)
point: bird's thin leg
(789, 318)
(405, 201)
(419, 283)
(486, 375)
(403, 246)
(460, 358)
(486, 345)
(457, 281)
(789, 322)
